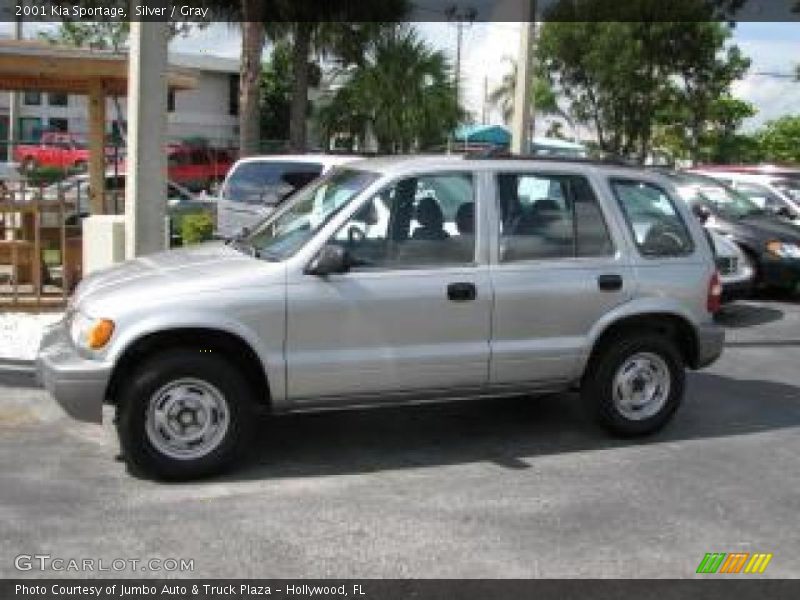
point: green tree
(706, 72)
(337, 30)
(403, 91)
(780, 140)
(622, 76)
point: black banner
(209, 11)
(393, 589)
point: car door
(555, 273)
(413, 312)
(254, 188)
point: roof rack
(495, 154)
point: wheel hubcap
(641, 386)
(187, 419)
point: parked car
(61, 150)
(777, 194)
(198, 167)
(735, 271)
(256, 185)
(559, 275)
(10, 179)
(771, 245)
(75, 192)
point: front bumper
(76, 383)
(710, 342)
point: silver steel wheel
(641, 386)
(187, 419)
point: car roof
(765, 178)
(326, 160)
(398, 165)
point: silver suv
(396, 280)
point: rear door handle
(462, 291)
(609, 283)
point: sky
(774, 49)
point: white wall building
(209, 111)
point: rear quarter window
(268, 182)
(657, 227)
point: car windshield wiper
(243, 246)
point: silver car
(398, 280)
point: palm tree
(336, 29)
(253, 38)
(403, 92)
(545, 101)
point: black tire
(162, 370)
(598, 393)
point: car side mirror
(330, 259)
(702, 212)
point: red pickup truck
(198, 167)
(62, 150)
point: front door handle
(462, 291)
(609, 283)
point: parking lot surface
(524, 487)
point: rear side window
(268, 182)
(655, 223)
(549, 216)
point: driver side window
(655, 223)
(423, 221)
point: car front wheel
(184, 414)
(635, 384)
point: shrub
(196, 228)
(44, 176)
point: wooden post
(97, 147)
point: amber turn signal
(100, 333)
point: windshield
(723, 200)
(789, 187)
(288, 229)
(268, 182)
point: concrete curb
(17, 365)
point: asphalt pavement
(525, 487)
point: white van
(257, 184)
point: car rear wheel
(635, 384)
(184, 414)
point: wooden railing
(40, 248)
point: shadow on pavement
(511, 433)
(740, 316)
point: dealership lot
(502, 488)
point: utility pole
(484, 105)
(13, 104)
(462, 17)
(521, 129)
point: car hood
(760, 228)
(184, 271)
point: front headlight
(783, 249)
(90, 333)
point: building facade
(209, 111)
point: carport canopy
(38, 66)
